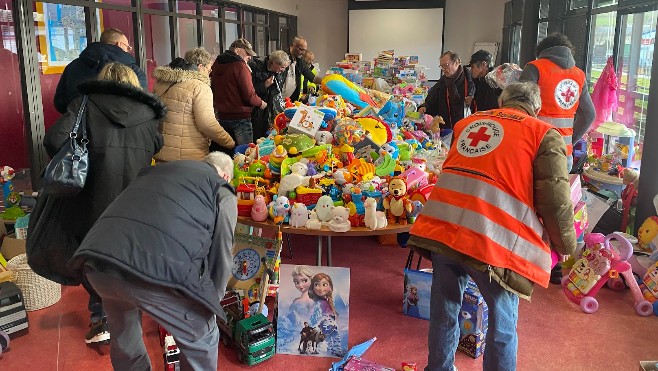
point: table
(325, 232)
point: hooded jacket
(561, 56)
(173, 226)
(190, 123)
(122, 128)
(263, 118)
(234, 95)
(87, 66)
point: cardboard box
(11, 247)
(580, 221)
(417, 293)
(648, 365)
(473, 322)
(576, 188)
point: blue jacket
(173, 226)
(87, 66)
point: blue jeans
(241, 130)
(448, 284)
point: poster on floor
(313, 310)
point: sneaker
(98, 333)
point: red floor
(553, 333)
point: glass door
(634, 60)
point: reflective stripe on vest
(477, 218)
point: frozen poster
(417, 293)
(313, 312)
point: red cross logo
(479, 136)
(568, 95)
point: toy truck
(171, 353)
(252, 335)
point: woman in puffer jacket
(190, 124)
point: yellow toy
(376, 130)
(397, 203)
(646, 233)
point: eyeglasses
(300, 49)
(446, 65)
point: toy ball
(349, 132)
(6, 173)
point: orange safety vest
(560, 93)
(482, 204)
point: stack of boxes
(473, 322)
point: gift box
(576, 188)
(356, 363)
(580, 221)
(417, 293)
(473, 321)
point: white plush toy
(313, 222)
(373, 219)
(323, 208)
(339, 219)
(298, 215)
(296, 178)
(324, 137)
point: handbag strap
(81, 121)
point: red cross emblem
(479, 136)
(568, 94)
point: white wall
(469, 21)
(322, 22)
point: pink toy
(649, 287)
(259, 209)
(599, 263)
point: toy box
(576, 188)
(417, 293)
(356, 363)
(580, 221)
(473, 321)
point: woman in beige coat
(190, 124)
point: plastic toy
(12, 199)
(416, 207)
(276, 159)
(599, 263)
(324, 137)
(253, 336)
(313, 222)
(4, 341)
(339, 219)
(323, 208)
(378, 131)
(170, 349)
(397, 204)
(374, 219)
(415, 177)
(279, 210)
(295, 179)
(649, 287)
(338, 85)
(647, 233)
(361, 170)
(298, 215)
(348, 131)
(259, 211)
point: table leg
(289, 246)
(318, 260)
(329, 262)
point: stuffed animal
(259, 209)
(313, 222)
(374, 219)
(279, 210)
(295, 179)
(323, 208)
(416, 208)
(339, 219)
(435, 126)
(298, 215)
(324, 137)
(397, 203)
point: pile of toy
(357, 157)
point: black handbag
(66, 173)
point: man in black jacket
(163, 247)
(113, 47)
(486, 96)
(268, 78)
(292, 85)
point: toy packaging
(417, 293)
(359, 364)
(473, 321)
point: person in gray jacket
(163, 247)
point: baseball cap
(244, 44)
(479, 56)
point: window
(577, 4)
(158, 44)
(211, 37)
(602, 3)
(187, 34)
(231, 28)
(601, 44)
(12, 126)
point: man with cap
(486, 96)
(233, 91)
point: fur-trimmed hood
(169, 75)
(124, 104)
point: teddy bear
(339, 219)
(397, 203)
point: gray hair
(524, 94)
(198, 56)
(222, 161)
(279, 57)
